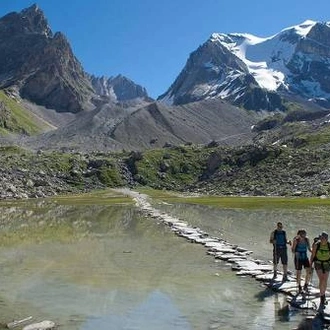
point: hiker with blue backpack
(279, 241)
(320, 257)
(300, 247)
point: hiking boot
(284, 278)
(275, 274)
(322, 300)
(300, 289)
(306, 287)
(321, 308)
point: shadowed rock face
(317, 41)
(311, 61)
(197, 73)
(40, 64)
(118, 88)
(28, 21)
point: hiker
(279, 241)
(300, 246)
(321, 258)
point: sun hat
(324, 234)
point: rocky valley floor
(250, 170)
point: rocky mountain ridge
(229, 84)
(258, 73)
(118, 88)
(41, 65)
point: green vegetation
(317, 138)
(32, 234)
(164, 168)
(10, 149)
(235, 202)
(68, 217)
(257, 202)
(110, 175)
(15, 119)
(253, 170)
(41, 174)
(100, 197)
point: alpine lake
(95, 261)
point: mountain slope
(118, 88)
(15, 118)
(258, 73)
(41, 65)
(114, 127)
(197, 123)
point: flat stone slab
(17, 323)
(205, 240)
(289, 287)
(252, 273)
(302, 302)
(218, 244)
(234, 258)
(43, 325)
(227, 256)
(252, 265)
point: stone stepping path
(239, 258)
(27, 324)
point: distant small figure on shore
(321, 258)
(279, 241)
(300, 247)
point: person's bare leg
(298, 277)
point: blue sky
(149, 41)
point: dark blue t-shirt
(280, 237)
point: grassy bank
(239, 202)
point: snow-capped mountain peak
(266, 58)
(301, 29)
(230, 65)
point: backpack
(318, 245)
(280, 233)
